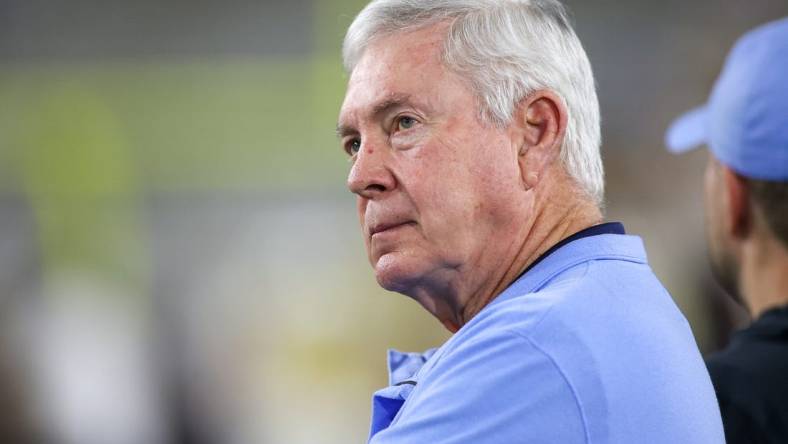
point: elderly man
(745, 125)
(473, 130)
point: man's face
(437, 188)
(720, 250)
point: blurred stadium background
(180, 260)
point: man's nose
(370, 176)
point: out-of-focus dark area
(180, 261)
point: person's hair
(772, 199)
(507, 49)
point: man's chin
(396, 273)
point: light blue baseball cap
(745, 121)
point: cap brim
(688, 131)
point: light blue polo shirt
(586, 347)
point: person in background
(473, 132)
(745, 126)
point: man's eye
(405, 122)
(353, 146)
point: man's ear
(737, 211)
(540, 126)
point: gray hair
(507, 49)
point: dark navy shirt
(751, 381)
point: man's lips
(382, 227)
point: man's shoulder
(589, 326)
(602, 320)
(590, 296)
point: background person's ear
(540, 121)
(737, 203)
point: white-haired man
(473, 128)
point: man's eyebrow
(391, 102)
(344, 130)
(394, 101)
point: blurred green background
(180, 261)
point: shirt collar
(605, 228)
(573, 252)
(404, 366)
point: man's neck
(764, 274)
(556, 219)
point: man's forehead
(411, 48)
(392, 71)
